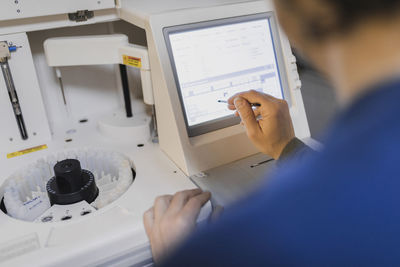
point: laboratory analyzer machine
(105, 105)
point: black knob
(68, 176)
(71, 184)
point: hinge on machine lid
(81, 15)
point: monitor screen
(215, 60)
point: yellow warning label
(26, 151)
(132, 61)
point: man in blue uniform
(336, 207)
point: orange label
(132, 61)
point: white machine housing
(198, 154)
(113, 235)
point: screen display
(215, 62)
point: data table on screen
(217, 62)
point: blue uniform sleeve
(295, 149)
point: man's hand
(269, 126)
(172, 219)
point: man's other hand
(269, 126)
(172, 219)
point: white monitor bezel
(227, 121)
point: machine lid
(151, 7)
(10, 10)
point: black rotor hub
(71, 184)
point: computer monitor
(214, 60)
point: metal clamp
(81, 15)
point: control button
(66, 218)
(47, 219)
(298, 84)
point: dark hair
(346, 14)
